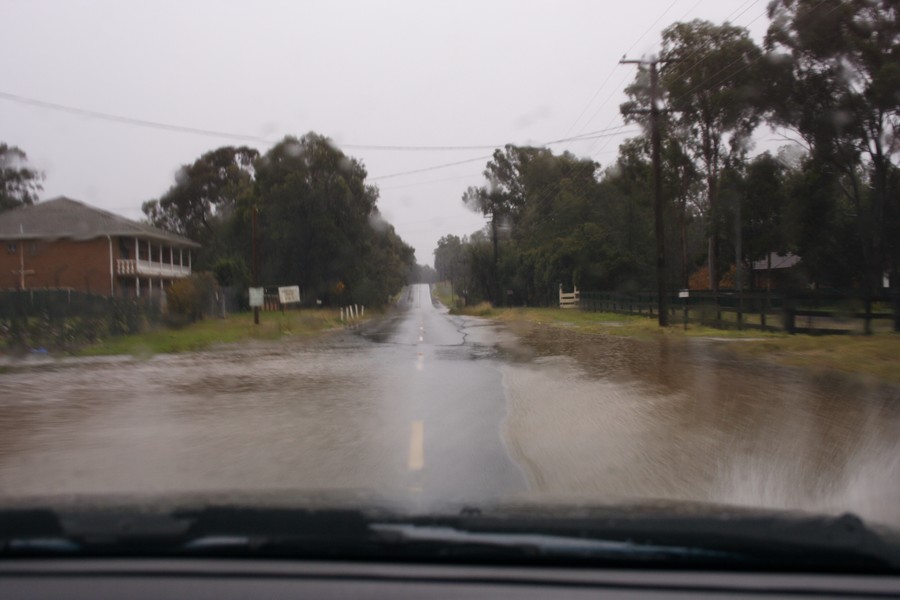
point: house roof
(64, 218)
(779, 261)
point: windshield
(452, 258)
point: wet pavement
(432, 410)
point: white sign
(683, 293)
(256, 297)
(289, 294)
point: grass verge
(203, 334)
(442, 292)
(875, 355)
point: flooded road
(428, 409)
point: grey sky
(409, 73)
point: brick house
(63, 243)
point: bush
(191, 298)
(232, 272)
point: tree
(451, 261)
(765, 199)
(682, 183)
(532, 197)
(319, 226)
(839, 76)
(19, 183)
(626, 217)
(710, 77)
(204, 198)
(423, 274)
(499, 200)
(821, 225)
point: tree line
(318, 224)
(827, 79)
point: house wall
(83, 266)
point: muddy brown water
(428, 409)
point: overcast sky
(392, 73)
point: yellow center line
(417, 446)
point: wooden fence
(821, 312)
(569, 300)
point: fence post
(720, 320)
(895, 300)
(789, 316)
(763, 311)
(868, 327)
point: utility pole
(658, 206)
(22, 271)
(255, 266)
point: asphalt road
(433, 412)
(402, 411)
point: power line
(742, 9)
(613, 70)
(745, 6)
(432, 168)
(95, 114)
(489, 156)
(139, 122)
(683, 16)
(429, 182)
(446, 179)
(739, 59)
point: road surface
(431, 411)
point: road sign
(289, 294)
(256, 297)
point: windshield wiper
(769, 541)
(758, 542)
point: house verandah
(145, 269)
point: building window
(11, 247)
(33, 249)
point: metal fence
(818, 312)
(65, 317)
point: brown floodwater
(677, 419)
(429, 409)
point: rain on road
(429, 410)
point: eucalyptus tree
(319, 225)
(201, 202)
(838, 87)
(710, 77)
(19, 183)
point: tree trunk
(713, 244)
(495, 275)
(682, 230)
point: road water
(429, 410)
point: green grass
(441, 290)
(875, 355)
(203, 334)
(607, 323)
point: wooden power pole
(658, 206)
(255, 266)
